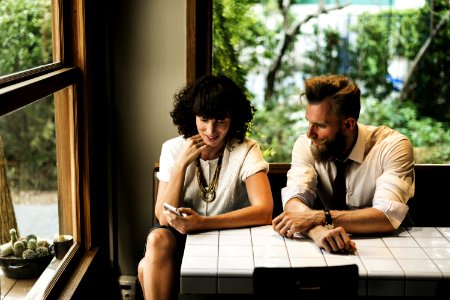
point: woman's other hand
(189, 220)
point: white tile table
(411, 262)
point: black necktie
(339, 190)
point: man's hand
(289, 222)
(332, 240)
(311, 224)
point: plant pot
(20, 268)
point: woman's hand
(191, 150)
(184, 224)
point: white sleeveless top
(243, 161)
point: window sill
(27, 288)
(50, 283)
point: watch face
(328, 219)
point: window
(29, 150)
(28, 41)
(55, 83)
(392, 49)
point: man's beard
(329, 149)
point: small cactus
(60, 238)
(42, 243)
(32, 244)
(31, 236)
(18, 248)
(29, 254)
(6, 250)
(24, 241)
(26, 248)
(42, 251)
(13, 234)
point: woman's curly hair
(213, 97)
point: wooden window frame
(198, 38)
(66, 79)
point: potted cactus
(24, 258)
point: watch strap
(328, 219)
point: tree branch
(289, 38)
(408, 86)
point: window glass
(25, 35)
(37, 184)
(29, 153)
(39, 138)
(394, 50)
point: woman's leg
(141, 276)
(156, 271)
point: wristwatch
(328, 219)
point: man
(378, 168)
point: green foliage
(25, 35)
(327, 50)
(429, 137)
(29, 133)
(30, 146)
(380, 38)
(237, 34)
(371, 58)
(406, 32)
(432, 77)
(387, 35)
(276, 128)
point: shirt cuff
(287, 193)
(395, 211)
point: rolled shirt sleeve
(302, 177)
(253, 161)
(396, 185)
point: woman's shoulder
(173, 145)
(247, 145)
(174, 142)
(249, 142)
(248, 158)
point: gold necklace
(208, 193)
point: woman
(213, 174)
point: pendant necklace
(208, 193)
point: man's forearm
(296, 204)
(366, 221)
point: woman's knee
(160, 240)
(140, 268)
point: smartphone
(173, 209)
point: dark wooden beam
(199, 38)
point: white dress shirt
(380, 175)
